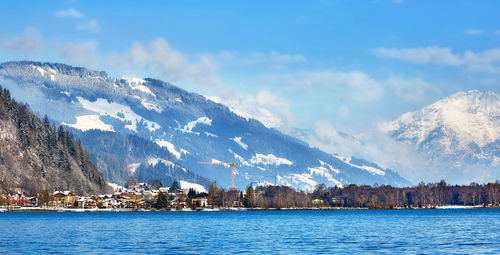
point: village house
(86, 203)
(199, 201)
(164, 190)
(18, 200)
(64, 198)
(318, 202)
(178, 203)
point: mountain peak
(458, 126)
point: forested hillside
(118, 156)
(36, 155)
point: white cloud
(375, 147)
(69, 13)
(411, 90)
(159, 58)
(78, 52)
(27, 42)
(488, 60)
(425, 55)
(91, 26)
(357, 85)
(474, 32)
(483, 61)
(266, 107)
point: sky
(298, 66)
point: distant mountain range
(462, 129)
(164, 131)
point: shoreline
(59, 209)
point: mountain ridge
(187, 125)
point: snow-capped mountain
(178, 129)
(463, 128)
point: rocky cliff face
(35, 155)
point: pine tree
(175, 185)
(46, 122)
(191, 194)
(249, 200)
(161, 201)
(61, 135)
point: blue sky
(317, 65)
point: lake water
(461, 231)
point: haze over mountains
(165, 131)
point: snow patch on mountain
(154, 161)
(219, 162)
(264, 183)
(189, 185)
(138, 84)
(89, 122)
(118, 111)
(372, 170)
(67, 93)
(304, 180)
(46, 70)
(210, 134)
(282, 181)
(333, 169)
(150, 106)
(171, 148)
(133, 167)
(269, 159)
(320, 170)
(39, 69)
(239, 142)
(240, 158)
(188, 128)
(324, 172)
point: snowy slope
(188, 126)
(464, 128)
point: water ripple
(257, 232)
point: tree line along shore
(152, 196)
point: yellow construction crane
(224, 164)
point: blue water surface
(472, 231)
